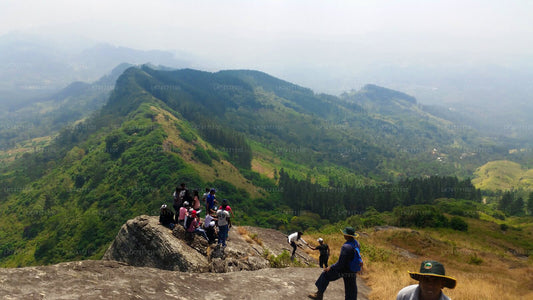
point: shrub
(419, 216)
(202, 155)
(457, 223)
(281, 261)
(475, 260)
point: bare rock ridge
(100, 279)
(142, 242)
(149, 261)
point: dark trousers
(293, 244)
(350, 285)
(323, 261)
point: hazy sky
(286, 37)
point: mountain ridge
(163, 127)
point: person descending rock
(193, 226)
(166, 217)
(323, 248)
(183, 213)
(293, 239)
(431, 279)
(347, 266)
(224, 223)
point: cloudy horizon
(328, 46)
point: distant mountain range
(33, 66)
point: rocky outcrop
(143, 242)
(143, 259)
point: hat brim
(449, 282)
(352, 235)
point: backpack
(355, 264)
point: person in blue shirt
(211, 201)
(347, 266)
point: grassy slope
(219, 169)
(487, 263)
(503, 175)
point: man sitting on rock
(166, 217)
(192, 226)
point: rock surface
(114, 280)
(142, 242)
(149, 261)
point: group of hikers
(187, 209)
(217, 221)
(431, 277)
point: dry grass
(250, 238)
(390, 254)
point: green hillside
(276, 150)
(503, 175)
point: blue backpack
(355, 264)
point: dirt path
(113, 280)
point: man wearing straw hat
(347, 266)
(431, 279)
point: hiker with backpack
(349, 263)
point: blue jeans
(350, 285)
(223, 234)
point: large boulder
(143, 242)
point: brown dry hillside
(485, 265)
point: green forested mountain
(253, 137)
